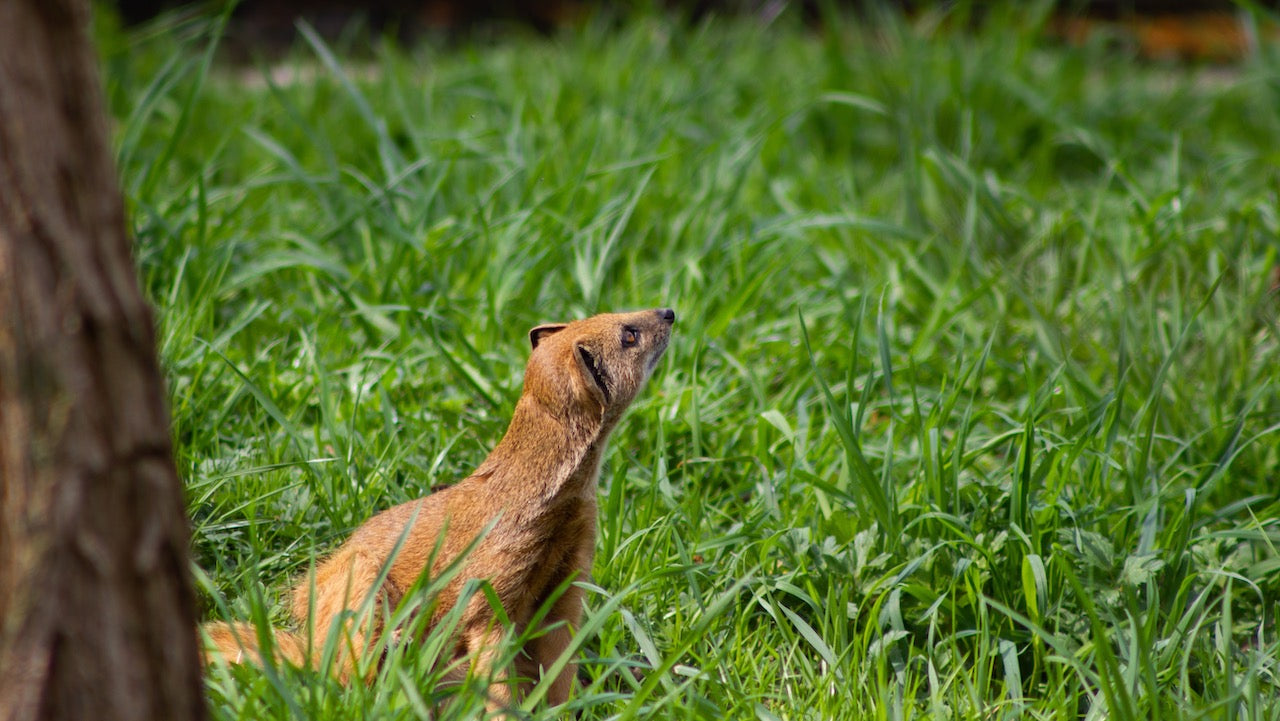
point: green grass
(972, 408)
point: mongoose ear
(537, 334)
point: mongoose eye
(630, 336)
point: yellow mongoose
(538, 488)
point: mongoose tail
(238, 643)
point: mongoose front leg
(484, 643)
(547, 648)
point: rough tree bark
(97, 613)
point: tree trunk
(97, 613)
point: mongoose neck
(544, 456)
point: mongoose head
(595, 367)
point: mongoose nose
(667, 314)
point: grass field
(972, 408)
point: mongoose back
(538, 490)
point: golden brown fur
(537, 488)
